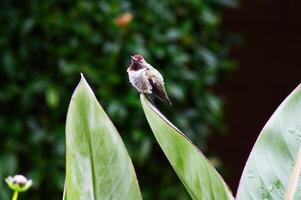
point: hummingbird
(146, 79)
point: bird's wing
(157, 82)
(152, 72)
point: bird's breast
(140, 81)
(135, 76)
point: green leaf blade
(273, 167)
(196, 173)
(97, 163)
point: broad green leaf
(273, 167)
(198, 176)
(98, 166)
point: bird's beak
(133, 58)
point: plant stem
(15, 196)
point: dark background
(269, 69)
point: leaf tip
(83, 80)
(82, 85)
(145, 100)
(82, 76)
(141, 97)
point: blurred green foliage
(46, 44)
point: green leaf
(198, 176)
(97, 163)
(273, 168)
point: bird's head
(137, 59)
